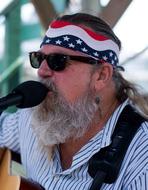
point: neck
(72, 146)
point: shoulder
(136, 157)
(15, 119)
(140, 142)
(24, 117)
(141, 138)
(144, 127)
(16, 115)
(24, 113)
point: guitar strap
(105, 165)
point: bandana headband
(68, 35)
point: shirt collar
(100, 140)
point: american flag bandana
(78, 38)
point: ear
(103, 76)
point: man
(79, 63)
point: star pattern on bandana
(71, 45)
(58, 42)
(66, 38)
(75, 43)
(79, 41)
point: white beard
(55, 120)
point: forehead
(47, 49)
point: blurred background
(23, 24)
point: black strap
(104, 166)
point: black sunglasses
(57, 62)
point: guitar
(13, 182)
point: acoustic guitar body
(8, 182)
(29, 185)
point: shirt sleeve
(9, 131)
(137, 172)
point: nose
(44, 71)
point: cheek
(73, 84)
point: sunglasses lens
(57, 62)
(35, 59)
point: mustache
(49, 84)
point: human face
(73, 81)
(55, 120)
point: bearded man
(79, 63)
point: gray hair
(126, 89)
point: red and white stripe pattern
(82, 39)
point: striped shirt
(16, 134)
